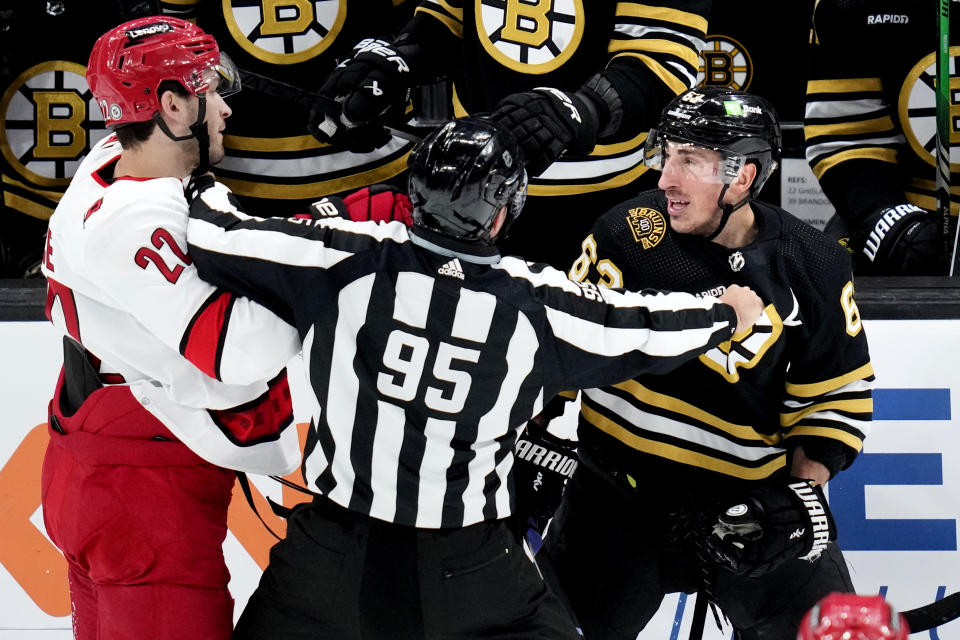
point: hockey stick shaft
(933, 614)
(942, 71)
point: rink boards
(896, 508)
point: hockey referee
(427, 352)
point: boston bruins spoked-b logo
(50, 122)
(284, 31)
(725, 63)
(530, 36)
(918, 109)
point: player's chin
(216, 155)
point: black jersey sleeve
(828, 390)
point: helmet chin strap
(727, 210)
(198, 130)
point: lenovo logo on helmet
(149, 30)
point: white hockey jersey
(121, 283)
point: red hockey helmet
(847, 616)
(129, 62)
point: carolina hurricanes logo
(918, 109)
(531, 36)
(284, 31)
(50, 121)
(726, 63)
(93, 209)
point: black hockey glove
(900, 240)
(773, 523)
(546, 122)
(360, 90)
(542, 464)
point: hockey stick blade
(934, 614)
(297, 95)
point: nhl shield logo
(284, 31)
(736, 260)
(648, 226)
(530, 36)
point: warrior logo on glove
(773, 524)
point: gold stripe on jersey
(29, 207)
(53, 196)
(675, 405)
(676, 85)
(813, 389)
(850, 405)
(645, 45)
(845, 437)
(618, 180)
(663, 14)
(929, 201)
(316, 189)
(871, 125)
(844, 85)
(679, 454)
(866, 153)
(453, 25)
(289, 143)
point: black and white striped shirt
(426, 357)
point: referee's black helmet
(461, 175)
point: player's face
(217, 113)
(689, 179)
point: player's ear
(741, 184)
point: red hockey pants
(141, 520)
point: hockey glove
(542, 464)
(360, 90)
(900, 240)
(380, 203)
(546, 122)
(773, 523)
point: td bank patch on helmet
(50, 122)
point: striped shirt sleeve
(605, 336)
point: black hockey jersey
(427, 357)
(271, 161)
(870, 122)
(513, 46)
(803, 369)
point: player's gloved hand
(360, 90)
(546, 122)
(774, 522)
(900, 240)
(380, 203)
(542, 464)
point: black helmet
(741, 126)
(460, 177)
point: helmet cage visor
(721, 167)
(222, 76)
